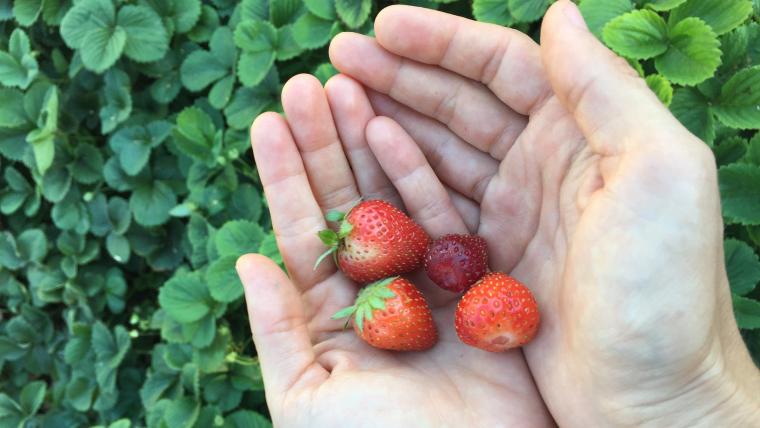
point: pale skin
(583, 184)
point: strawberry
(392, 314)
(455, 262)
(496, 314)
(375, 240)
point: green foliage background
(127, 190)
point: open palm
(587, 189)
(316, 373)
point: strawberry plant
(127, 190)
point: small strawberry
(392, 314)
(375, 240)
(496, 314)
(455, 262)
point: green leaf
(110, 349)
(245, 203)
(194, 134)
(283, 12)
(238, 237)
(722, 15)
(528, 10)
(742, 265)
(753, 151)
(55, 184)
(186, 14)
(207, 23)
(9, 255)
(492, 11)
(200, 69)
(87, 165)
(324, 9)
(747, 312)
(6, 10)
(739, 103)
(223, 281)
(730, 150)
(254, 10)
(117, 105)
(269, 248)
(151, 202)
(597, 13)
(660, 86)
(258, 40)
(640, 34)
(201, 333)
(740, 193)
(311, 31)
(353, 12)
(12, 112)
(185, 298)
(246, 419)
(18, 67)
(79, 393)
(663, 5)
(102, 47)
(246, 104)
(693, 110)
(118, 247)
(133, 146)
(32, 245)
(32, 396)
(43, 146)
(26, 11)
(84, 17)
(146, 37)
(324, 72)
(693, 54)
(182, 413)
(287, 47)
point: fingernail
(574, 15)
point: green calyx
(332, 238)
(370, 298)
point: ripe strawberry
(392, 314)
(455, 262)
(496, 314)
(375, 240)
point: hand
(316, 373)
(590, 192)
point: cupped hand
(316, 373)
(589, 191)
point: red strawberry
(455, 262)
(392, 314)
(496, 314)
(375, 240)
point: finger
(609, 99)
(506, 60)
(424, 196)
(468, 209)
(445, 96)
(296, 216)
(352, 111)
(311, 122)
(447, 154)
(276, 315)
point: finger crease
(492, 67)
(338, 196)
(446, 107)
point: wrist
(725, 391)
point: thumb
(611, 103)
(276, 315)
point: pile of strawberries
(376, 242)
